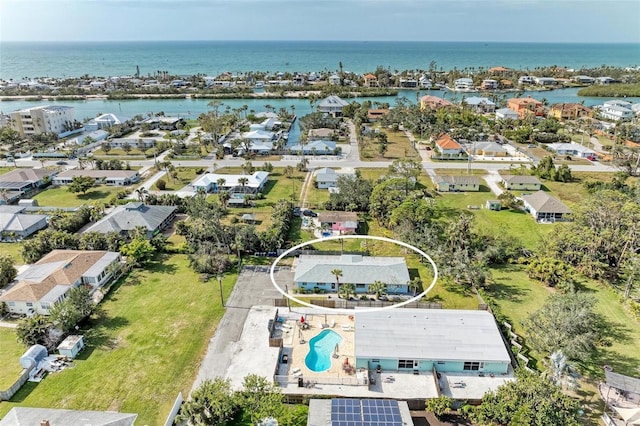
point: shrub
(161, 184)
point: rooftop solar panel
(365, 412)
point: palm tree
(337, 273)
(220, 182)
(347, 290)
(224, 198)
(414, 285)
(142, 192)
(378, 288)
(243, 181)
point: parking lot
(252, 288)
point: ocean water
(64, 59)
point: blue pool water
(320, 349)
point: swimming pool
(320, 349)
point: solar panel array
(365, 412)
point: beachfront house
(521, 183)
(104, 121)
(370, 80)
(16, 223)
(489, 84)
(545, 208)
(463, 84)
(313, 273)
(214, 182)
(332, 105)
(106, 177)
(424, 340)
(448, 147)
(125, 219)
(456, 183)
(47, 282)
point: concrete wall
(428, 365)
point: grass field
(61, 197)
(399, 146)
(14, 250)
(186, 175)
(10, 353)
(144, 349)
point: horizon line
(316, 41)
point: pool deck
(254, 356)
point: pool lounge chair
(332, 323)
(320, 324)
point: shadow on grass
(99, 335)
(24, 392)
(94, 195)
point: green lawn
(144, 350)
(10, 353)
(186, 175)
(61, 197)
(14, 250)
(399, 146)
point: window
(29, 305)
(45, 306)
(405, 363)
(473, 366)
(11, 303)
(359, 285)
(441, 362)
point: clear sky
(415, 20)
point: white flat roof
(429, 334)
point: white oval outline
(354, 237)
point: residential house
(370, 80)
(55, 416)
(328, 178)
(506, 114)
(489, 84)
(479, 104)
(569, 111)
(104, 121)
(433, 102)
(572, 149)
(408, 83)
(545, 208)
(500, 71)
(545, 81)
(334, 80)
(374, 115)
(165, 123)
(583, 79)
(321, 133)
(339, 223)
(332, 105)
(447, 146)
(25, 180)
(51, 118)
(214, 182)
(126, 218)
(47, 282)
(106, 177)
(15, 223)
(457, 183)
(314, 272)
(463, 84)
(526, 79)
(526, 107)
(616, 110)
(421, 341)
(521, 183)
(425, 83)
(317, 147)
(486, 149)
(605, 80)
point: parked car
(310, 213)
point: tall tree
(7, 271)
(260, 398)
(212, 403)
(337, 272)
(81, 184)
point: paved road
(252, 288)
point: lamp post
(220, 285)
